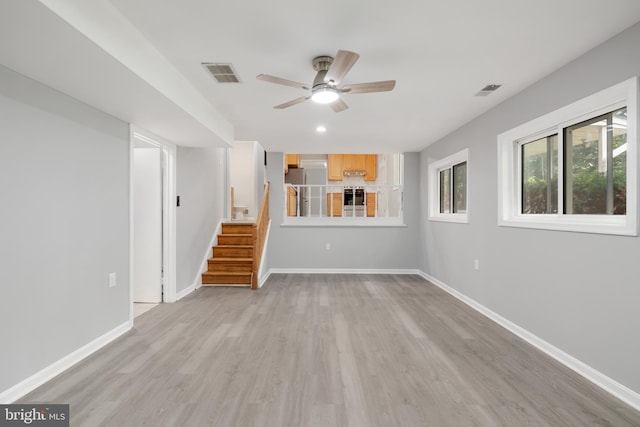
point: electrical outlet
(476, 264)
(328, 246)
(112, 280)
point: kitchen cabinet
(292, 202)
(353, 162)
(371, 167)
(334, 204)
(335, 167)
(339, 163)
(371, 204)
(291, 160)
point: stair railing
(259, 235)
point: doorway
(152, 220)
(147, 223)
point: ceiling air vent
(223, 73)
(487, 90)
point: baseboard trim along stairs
(232, 260)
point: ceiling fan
(325, 88)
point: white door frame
(169, 212)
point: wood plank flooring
(326, 350)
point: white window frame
(510, 168)
(434, 187)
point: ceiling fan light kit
(324, 95)
(325, 88)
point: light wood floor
(326, 350)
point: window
(574, 169)
(459, 188)
(448, 188)
(596, 165)
(540, 176)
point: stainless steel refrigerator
(296, 176)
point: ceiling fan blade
(292, 102)
(280, 81)
(341, 65)
(338, 105)
(384, 86)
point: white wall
(64, 225)
(242, 171)
(372, 248)
(201, 179)
(580, 292)
(260, 175)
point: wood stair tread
(235, 239)
(226, 273)
(228, 259)
(237, 228)
(226, 278)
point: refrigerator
(296, 176)
(316, 197)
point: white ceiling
(140, 61)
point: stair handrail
(259, 234)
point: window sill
(457, 218)
(596, 224)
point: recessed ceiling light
(321, 129)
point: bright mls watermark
(34, 415)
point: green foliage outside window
(588, 162)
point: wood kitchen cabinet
(291, 160)
(371, 166)
(335, 167)
(334, 204)
(371, 204)
(354, 162)
(338, 163)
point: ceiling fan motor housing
(321, 64)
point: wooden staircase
(232, 260)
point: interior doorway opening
(148, 171)
(152, 220)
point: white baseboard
(183, 293)
(197, 281)
(36, 380)
(262, 275)
(264, 278)
(342, 271)
(609, 385)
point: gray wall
(577, 291)
(260, 175)
(200, 185)
(64, 224)
(351, 247)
